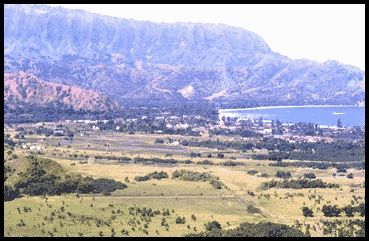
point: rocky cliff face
(24, 90)
(127, 59)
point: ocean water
(322, 115)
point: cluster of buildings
(161, 122)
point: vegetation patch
(344, 228)
(186, 175)
(44, 176)
(153, 175)
(252, 172)
(262, 229)
(298, 184)
(253, 210)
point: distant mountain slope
(23, 90)
(138, 60)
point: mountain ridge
(129, 59)
(22, 90)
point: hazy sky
(318, 32)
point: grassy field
(227, 205)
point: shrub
(141, 178)
(263, 174)
(262, 229)
(253, 210)
(310, 175)
(10, 193)
(220, 155)
(205, 162)
(158, 175)
(331, 211)
(252, 172)
(351, 176)
(349, 210)
(361, 209)
(106, 185)
(153, 175)
(187, 162)
(194, 154)
(180, 220)
(213, 225)
(216, 184)
(232, 163)
(159, 141)
(185, 143)
(187, 175)
(341, 169)
(298, 184)
(283, 174)
(307, 212)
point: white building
(267, 131)
(175, 143)
(95, 128)
(182, 126)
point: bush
(310, 175)
(361, 209)
(106, 185)
(141, 178)
(194, 154)
(8, 171)
(41, 188)
(187, 175)
(263, 174)
(159, 141)
(187, 162)
(262, 229)
(351, 176)
(307, 212)
(349, 210)
(232, 163)
(220, 155)
(331, 211)
(298, 184)
(216, 184)
(253, 210)
(153, 175)
(283, 174)
(185, 143)
(205, 162)
(180, 220)
(10, 193)
(341, 169)
(252, 172)
(213, 225)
